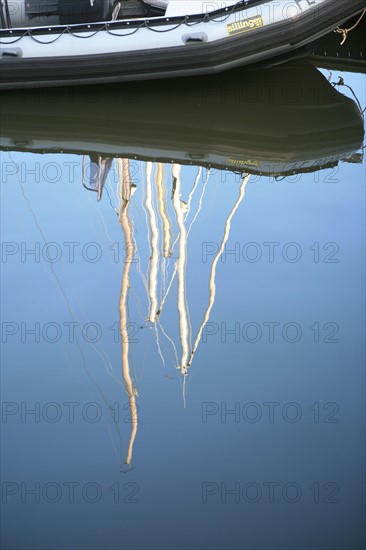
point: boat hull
(165, 47)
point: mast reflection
(124, 194)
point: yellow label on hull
(245, 25)
(247, 162)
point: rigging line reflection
(73, 317)
(212, 283)
(157, 217)
(190, 196)
(176, 263)
(200, 201)
(125, 195)
(188, 204)
(188, 232)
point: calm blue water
(261, 445)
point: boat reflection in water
(281, 121)
(276, 121)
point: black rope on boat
(16, 39)
(49, 41)
(167, 30)
(103, 28)
(124, 34)
(187, 20)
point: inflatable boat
(65, 42)
(286, 120)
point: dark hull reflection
(285, 120)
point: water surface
(183, 360)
